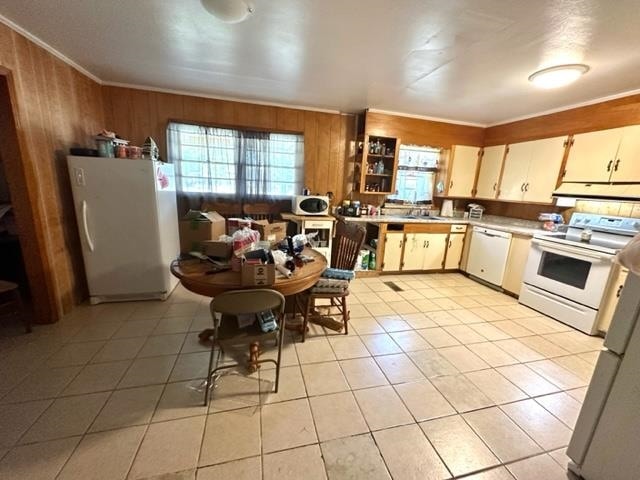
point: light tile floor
(444, 379)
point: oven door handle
(575, 252)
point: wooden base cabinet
(516, 262)
(610, 302)
(455, 244)
(393, 243)
(423, 247)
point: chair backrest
(347, 243)
(261, 211)
(236, 302)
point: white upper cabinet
(531, 170)
(516, 167)
(489, 175)
(592, 156)
(544, 169)
(626, 167)
(462, 170)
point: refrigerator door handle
(85, 226)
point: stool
(10, 298)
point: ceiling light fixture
(558, 76)
(228, 11)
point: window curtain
(222, 165)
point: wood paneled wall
(416, 131)
(135, 114)
(600, 116)
(55, 107)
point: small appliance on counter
(447, 208)
(310, 205)
(475, 211)
(551, 221)
(351, 209)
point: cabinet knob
(495, 186)
(451, 184)
(450, 243)
(522, 187)
(427, 243)
(615, 167)
(526, 187)
(609, 165)
(619, 292)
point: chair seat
(329, 295)
(6, 286)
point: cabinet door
(544, 168)
(514, 175)
(516, 262)
(592, 155)
(435, 248)
(464, 163)
(626, 168)
(393, 251)
(414, 249)
(610, 302)
(454, 251)
(490, 172)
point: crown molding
(565, 108)
(222, 97)
(426, 117)
(56, 53)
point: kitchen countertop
(505, 224)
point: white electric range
(567, 273)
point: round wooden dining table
(194, 276)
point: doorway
(21, 229)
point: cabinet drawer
(317, 224)
(458, 228)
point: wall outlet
(78, 174)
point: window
(228, 162)
(416, 173)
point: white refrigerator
(604, 445)
(128, 223)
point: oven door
(575, 273)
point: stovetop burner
(605, 233)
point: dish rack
(475, 213)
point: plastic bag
(629, 256)
(244, 240)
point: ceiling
(465, 60)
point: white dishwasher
(488, 254)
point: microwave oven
(310, 205)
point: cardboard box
(217, 249)
(270, 232)
(196, 227)
(258, 275)
(234, 224)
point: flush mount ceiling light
(228, 11)
(558, 76)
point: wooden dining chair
(224, 311)
(347, 243)
(263, 211)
